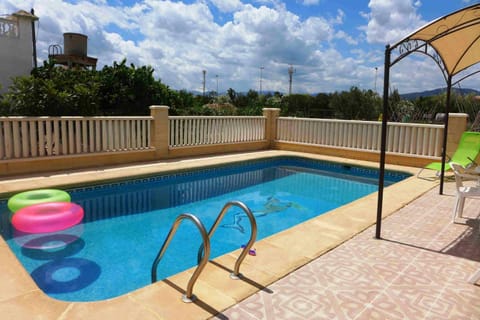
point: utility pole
(261, 75)
(204, 74)
(376, 70)
(291, 70)
(34, 40)
(216, 76)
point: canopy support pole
(381, 176)
(445, 132)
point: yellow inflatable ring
(28, 198)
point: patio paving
(419, 270)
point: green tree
(321, 106)
(114, 90)
(355, 104)
(52, 91)
(127, 90)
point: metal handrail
(236, 272)
(188, 296)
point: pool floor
(276, 256)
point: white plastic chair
(463, 191)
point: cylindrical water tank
(75, 44)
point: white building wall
(16, 48)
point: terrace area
(327, 268)
(419, 270)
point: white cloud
(391, 20)
(310, 2)
(227, 5)
(180, 39)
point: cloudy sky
(332, 45)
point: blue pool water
(125, 224)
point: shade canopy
(453, 42)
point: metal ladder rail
(236, 273)
(188, 296)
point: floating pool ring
(47, 217)
(27, 198)
(48, 241)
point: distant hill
(429, 93)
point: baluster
(2, 139)
(128, 135)
(390, 134)
(144, 133)
(104, 123)
(183, 132)
(8, 139)
(78, 135)
(24, 138)
(439, 141)
(139, 133)
(84, 135)
(109, 137)
(16, 139)
(65, 143)
(368, 136)
(408, 139)
(122, 132)
(174, 123)
(116, 134)
(425, 139)
(201, 131)
(413, 140)
(41, 137)
(91, 135)
(98, 134)
(48, 135)
(33, 138)
(56, 137)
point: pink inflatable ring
(47, 217)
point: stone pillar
(457, 124)
(160, 131)
(272, 115)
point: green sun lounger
(467, 150)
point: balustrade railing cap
(159, 107)
(458, 115)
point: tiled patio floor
(419, 270)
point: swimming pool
(126, 222)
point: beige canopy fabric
(455, 38)
(453, 41)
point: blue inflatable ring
(27, 198)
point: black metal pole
(445, 133)
(381, 176)
(34, 40)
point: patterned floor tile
(419, 270)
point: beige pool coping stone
(277, 255)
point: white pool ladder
(188, 296)
(204, 250)
(246, 249)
